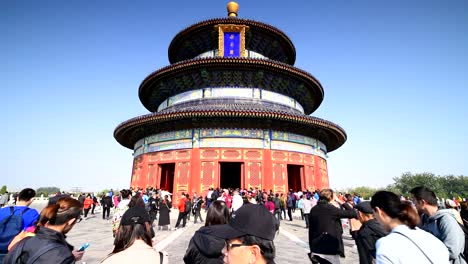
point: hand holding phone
(83, 247)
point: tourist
(464, 213)
(325, 230)
(137, 200)
(270, 205)
(452, 207)
(370, 231)
(306, 207)
(95, 203)
(406, 243)
(133, 240)
(290, 203)
(164, 211)
(88, 202)
(277, 202)
(237, 201)
(439, 222)
(106, 203)
(354, 224)
(116, 199)
(300, 206)
(4, 198)
(208, 198)
(283, 206)
(48, 245)
(182, 215)
(120, 210)
(227, 198)
(205, 247)
(188, 206)
(153, 205)
(249, 235)
(21, 209)
(197, 205)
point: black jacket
(204, 248)
(44, 236)
(106, 202)
(325, 230)
(366, 238)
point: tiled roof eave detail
(196, 63)
(211, 22)
(155, 118)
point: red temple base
(196, 170)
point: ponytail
(47, 214)
(391, 204)
(408, 215)
(57, 214)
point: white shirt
(395, 248)
(237, 202)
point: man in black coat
(325, 231)
(106, 203)
(367, 235)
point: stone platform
(291, 242)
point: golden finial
(232, 8)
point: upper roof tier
(260, 38)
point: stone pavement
(291, 242)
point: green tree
(443, 186)
(408, 181)
(46, 191)
(103, 192)
(3, 189)
(363, 191)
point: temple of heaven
(230, 111)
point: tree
(363, 191)
(444, 186)
(46, 191)
(3, 189)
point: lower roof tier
(223, 115)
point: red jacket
(181, 204)
(87, 203)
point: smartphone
(83, 247)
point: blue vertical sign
(231, 44)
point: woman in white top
(406, 243)
(133, 240)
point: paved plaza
(291, 242)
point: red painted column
(267, 172)
(195, 172)
(318, 173)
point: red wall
(198, 169)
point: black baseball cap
(135, 215)
(250, 219)
(364, 207)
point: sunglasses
(229, 246)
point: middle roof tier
(263, 74)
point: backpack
(18, 250)
(188, 206)
(10, 226)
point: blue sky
(395, 75)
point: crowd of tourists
(240, 226)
